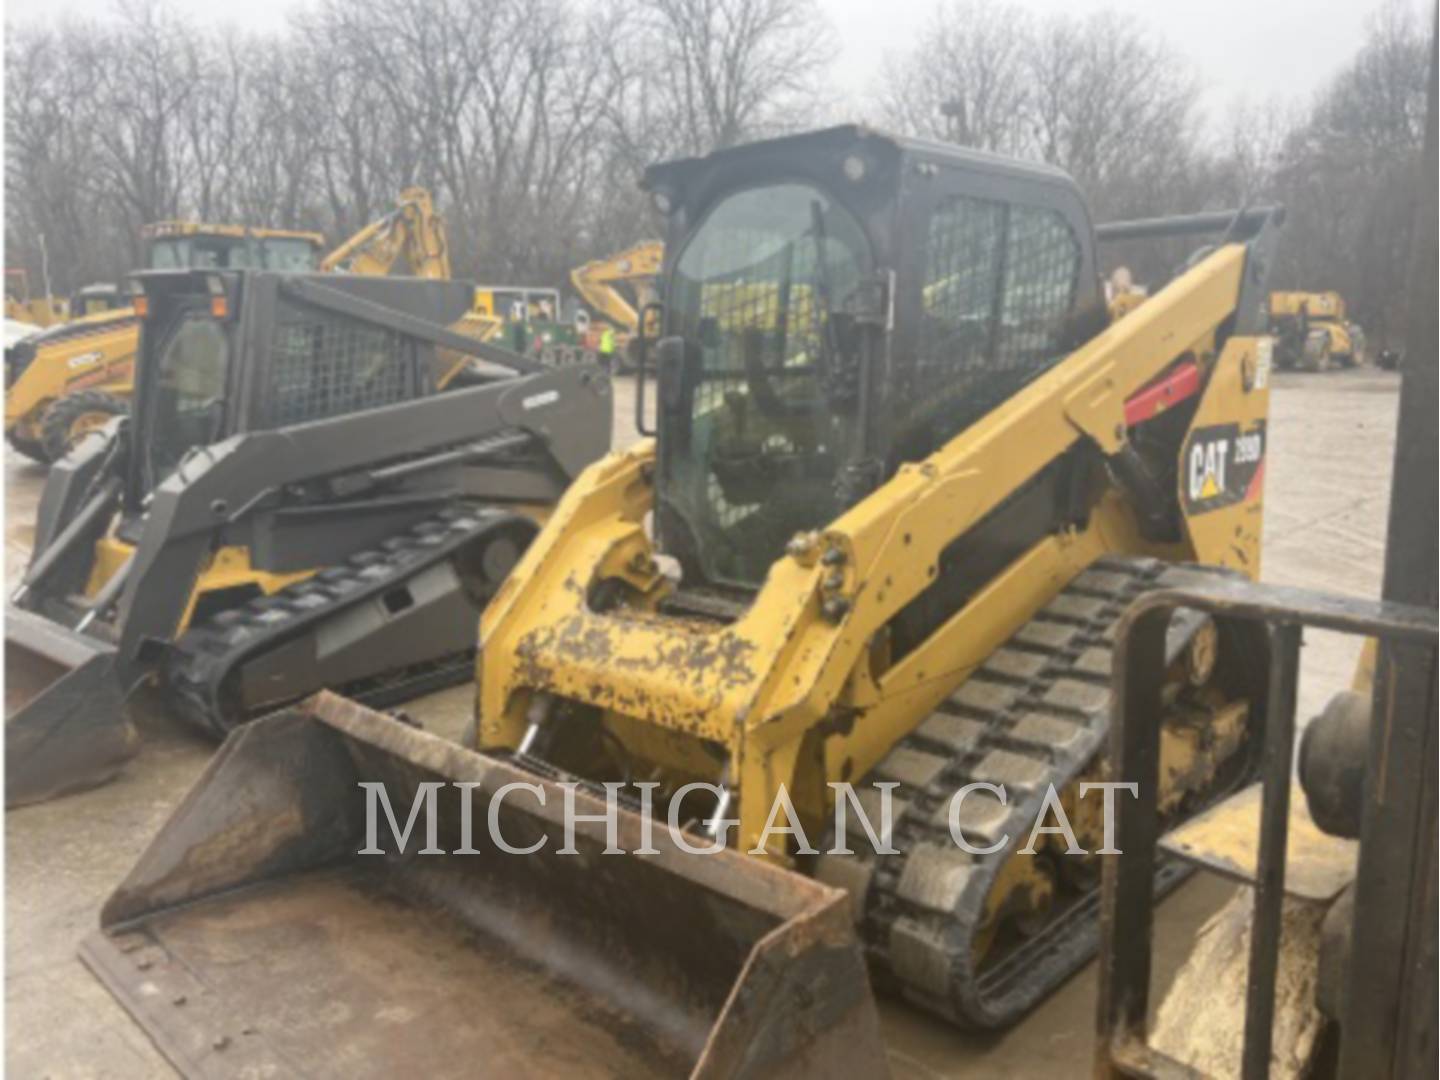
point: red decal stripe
(1257, 482)
(1182, 382)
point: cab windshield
(765, 416)
(232, 253)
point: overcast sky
(1261, 49)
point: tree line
(531, 120)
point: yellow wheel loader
(906, 477)
(294, 504)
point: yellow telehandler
(907, 475)
(1312, 332)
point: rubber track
(204, 656)
(1035, 713)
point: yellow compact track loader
(907, 476)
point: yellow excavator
(907, 476)
(73, 378)
(604, 283)
(412, 231)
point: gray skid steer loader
(320, 486)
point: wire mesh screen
(962, 280)
(999, 284)
(1042, 259)
(324, 364)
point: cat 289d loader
(907, 476)
(295, 504)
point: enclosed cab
(806, 359)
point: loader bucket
(254, 938)
(65, 727)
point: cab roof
(843, 137)
(167, 229)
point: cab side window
(1042, 268)
(999, 285)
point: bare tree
(1253, 148)
(1117, 108)
(1348, 173)
(1096, 95)
(724, 71)
(531, 122)
(966, 80)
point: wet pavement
(1327, 487)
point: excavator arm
(596, 282)
(413, 230)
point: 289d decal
(1220, 466)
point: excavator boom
(637, 266)
(413, 230)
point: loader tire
(29, 447)
(70, 418)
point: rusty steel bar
(1128, 902)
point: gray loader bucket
(252, 938)
(65, 728)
